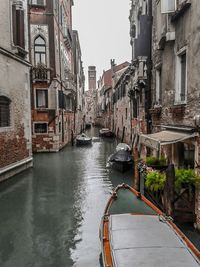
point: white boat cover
(123, 146)
(146, 241)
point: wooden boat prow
(143, 236)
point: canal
(50, 214)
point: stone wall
(15, 140)
(122, 120)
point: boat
(123, 146)
(88, 125)
(121, 160)
(105, 132)
(134, 232)
(83, 139)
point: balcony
(178, 110)
(68, 38)
(181, 9)
(156, 111)
(41, 73)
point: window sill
(42, 109)
(40, 133)
(5, 129)
(38, 6)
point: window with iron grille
(4, 111)
(40, 127)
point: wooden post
(136, 172)
(169, 191)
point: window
(135, 107)
(38, 2)
(168, 6)
(18, 26)
(4, 111)
(158, 97)
(42, 98)
(40, 127)
(40, 51)
(181, 78)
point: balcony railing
(41, 73)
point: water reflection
(50, 215)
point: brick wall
(13, 147)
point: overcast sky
(103, 28)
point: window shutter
(14, 24)
(168, 6)
(20, 28)
(61, 99)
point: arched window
(40, 51)
(4, 111)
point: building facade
(53, 80)
(15, 113)
(107, 112)
(80, 85)
(175, 94)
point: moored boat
(121, 160)
(134, 232)
(83, 139)
(105, 132)
(123, 146)
(88, 125)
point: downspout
(61, 83)
(149, 79)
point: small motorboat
(121, 160)
(83, 139)
(134, 232)
(88, 125)
(105, 132)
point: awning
(162, 138)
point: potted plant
(185, 178)
(159, 163)
(155, 181)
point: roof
(148, 241)
(107, 75)
(158, 139)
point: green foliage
(155, 181)
(156, 161)
(186, 177)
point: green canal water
(50, 214)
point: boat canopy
(123, 146)
(147, 240)
(120, 156)
(162, 138)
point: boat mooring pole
(136, 177)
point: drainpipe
(61, 82)
(149, 74)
